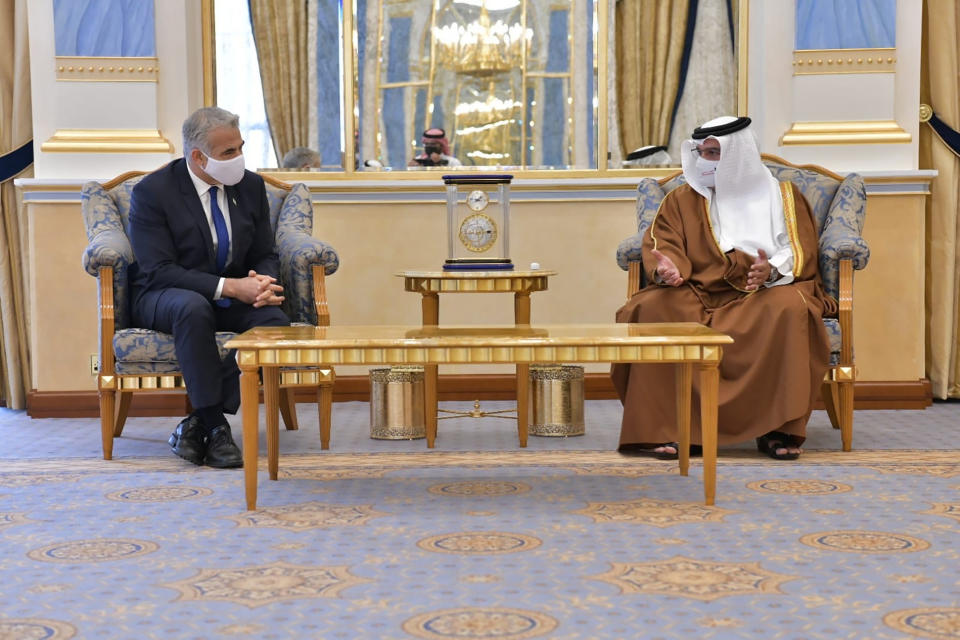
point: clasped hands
(669, 274)
(256, 289)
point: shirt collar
(199, 184)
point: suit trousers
(193, 320)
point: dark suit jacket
(172, 242)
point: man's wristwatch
(774, 275)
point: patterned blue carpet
(552, 543)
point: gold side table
(430, 284)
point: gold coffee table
(430, 284)
(690, 346)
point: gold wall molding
(825, 61)
(107, 141)
(99, 69)
(862, 132)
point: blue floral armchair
(138, 360)
(839, 206)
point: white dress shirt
(203, 191)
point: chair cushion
(833, 335)
(148, 352)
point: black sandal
(770, 442)
(638, 449)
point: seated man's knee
(194, 307)
(272, 317)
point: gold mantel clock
(478, 221)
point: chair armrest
(110, 252)
(837, 244)
(630, 250)
(845, 312)
(298, 253)
(840, 237)
(109, 248)
(106, 312)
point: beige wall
(888, 295)
(577, 239)
(63, 300)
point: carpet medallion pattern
(100, 550)
(158, 494)
(479, 543)
(503, 624)
(261, 585)
(308, 515)
(657, 513)
(927, 623)
(865, 542)
(799, 487)
(478, 489)
(501, 545)
(689, 578)
(36, 629)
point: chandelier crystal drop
(481, 48)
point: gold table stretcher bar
(689, 345)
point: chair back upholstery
(106, 215)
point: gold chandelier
(481, 48)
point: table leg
(249, 383)
(523, 402)
(709, 386)
(521, 308)
(430, 403)
(521, 315)
(684, 392)
(271, 400)
(431, 317)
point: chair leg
(107, 407)
(288, 409)
(324, 409)
(123, 409)
(828, 391)
(845, 413)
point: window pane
(238, 81)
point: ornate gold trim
(790, 217)
(826, 61)
(107, 141)
(101, 69)
(481, 282)
(862, 132)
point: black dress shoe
(188, 440)
(222, 452)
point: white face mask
(707, 171)
(228, 172)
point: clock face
(478, 200)
(478, 232)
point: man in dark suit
(206, 262)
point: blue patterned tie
(223, 238)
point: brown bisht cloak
(771, 374)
